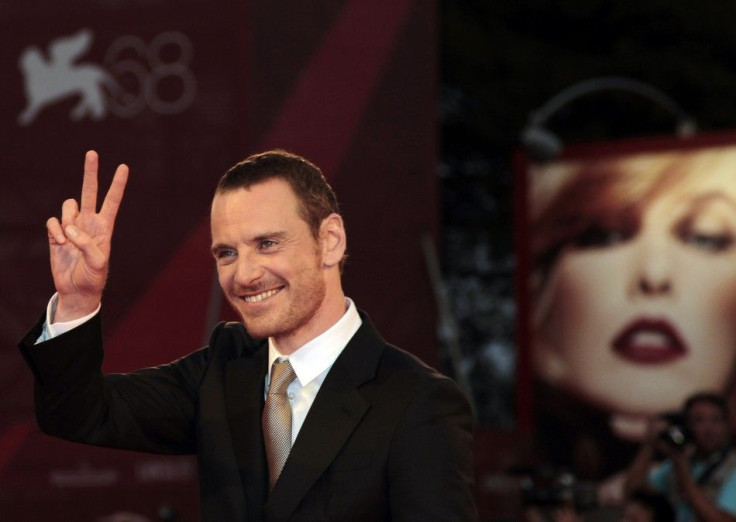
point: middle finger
(89, 184)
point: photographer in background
(698, 475)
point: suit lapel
(336, 412)
(244, 380)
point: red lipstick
(650, 341)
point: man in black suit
(371, 432)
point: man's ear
(332, 240)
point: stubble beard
(282, 320)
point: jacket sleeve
(152, 410)
(430, 463)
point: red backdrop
(180, 91)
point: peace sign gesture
(80, 244)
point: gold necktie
(277, 419)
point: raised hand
(80, 244)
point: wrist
(70, 308)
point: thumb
(94, 257)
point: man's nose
(247, 271)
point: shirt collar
(312, 359)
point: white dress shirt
(312, 362)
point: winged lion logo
(50, 80)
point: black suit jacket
(387, 438)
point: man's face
(709, 427)
(269, 265)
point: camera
(676, 435)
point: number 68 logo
(156, 75)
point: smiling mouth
(650, 341)
(257, 298)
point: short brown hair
(316, 198)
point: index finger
(114, 195)
(89, 184)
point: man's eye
(222, 254)
(267, 243)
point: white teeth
(260, 297)
(651, 338)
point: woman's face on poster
(641, 313)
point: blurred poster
(629, 291)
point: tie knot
(282, 374)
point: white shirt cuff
(51, 330)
